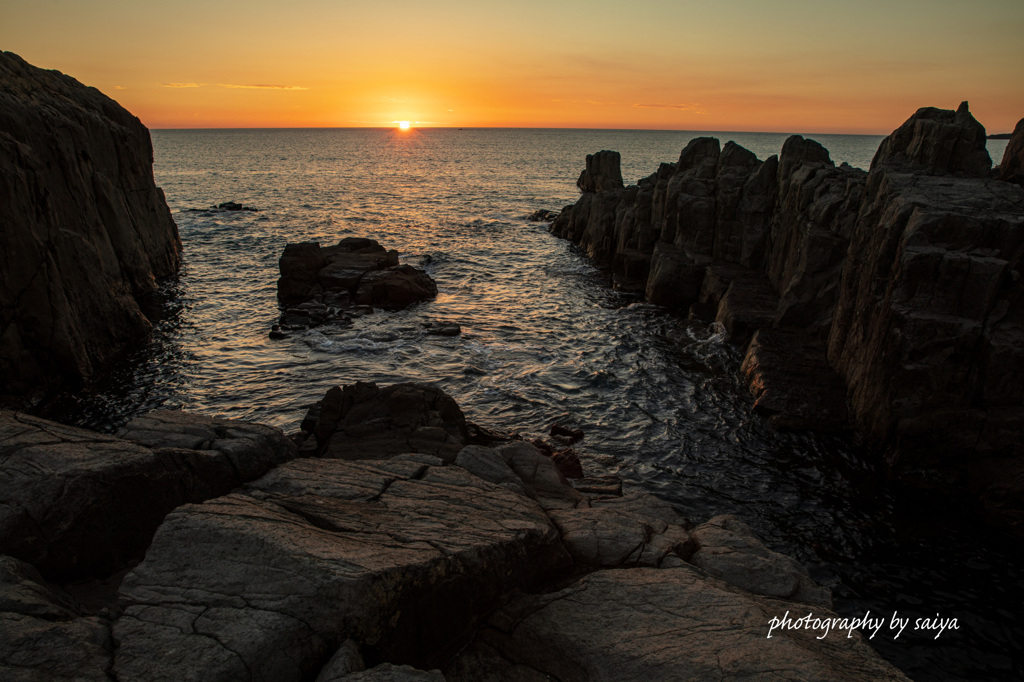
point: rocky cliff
(86, 233)
(893, 296)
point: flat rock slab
(646, 624)
(76, 503)
(402, 557)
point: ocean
(544, 339)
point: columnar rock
(910, 275)
(86, 231)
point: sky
(822, 66)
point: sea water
(544, 340)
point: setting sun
(404, 125)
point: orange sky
(769, 65)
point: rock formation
(895, 293)
(372, 565)
(1011, 169)
(86, 232)
(329, 284)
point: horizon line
(415, 128)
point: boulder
(86, 233)
(1011, 169)
(937, 141)
(362, 421)
(77, 503)
(644, 624)
(401, 557)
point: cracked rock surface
(266, 582)
(645, 624)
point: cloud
(695, 108)
(262, 87)
(233, 85)
(120, 87)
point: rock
(403, 558)
(937, 141)
(570, 434)
(331, 284)
(388, 672)
(543, 481)
(542, 215)
(794, 386)
(932, 352)
(395, 288)
(86, 231)
(345, 661)
(728, 550)
(251, 449)
(233, 206)
(602, 173)
(43, 634)
(600, 486)
(910, 274)
(1011, 169)
(488, 464)
(665, 624)
(442, 328)
(362, 421)
(78, 504)
(568, 463)
(611, 535)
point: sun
(404, 125)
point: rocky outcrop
(79, 504)
(86, 231)
(895, 293)
(331, 284)
(386, 568)
(1011, 169)
(937, 141)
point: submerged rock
(86, 232)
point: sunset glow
(404, 125)
(787, 66)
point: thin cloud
(262, 87)
(234, 85)
(695, 108)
